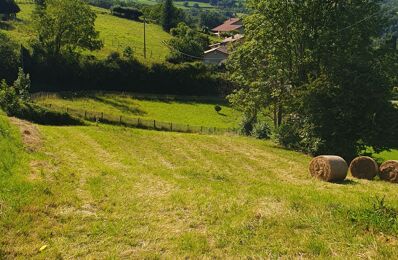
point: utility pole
(144, 37)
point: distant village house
(230, 25)
(219, 52)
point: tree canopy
(66, 26)
(316, 65)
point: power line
(363, 20)
(186, 54)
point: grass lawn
(116, 33)
(111, 192)
(192, 113)
(388, 155)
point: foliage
(187, 44)
(217, 108)
(211, 19)
(261, 130)
(12, 98)
(126, 12)
(379, 216)
(167, 15)
(247, 124)
(294, 61)
(8, 58)
(65, 26)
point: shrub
(217, 108)
(13, 97)
(395, 93)
(261, 130)
(247, 123)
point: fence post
(85, 114)
(102, 116)
(138, 122)
(154, 124)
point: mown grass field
(116, 33)
(197, 113)
(111, 192)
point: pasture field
(115, 32)
(111, 192)
(196, 113)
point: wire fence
(123, 120)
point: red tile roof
(228, 26)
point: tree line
(323, 70)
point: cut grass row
(111, 192)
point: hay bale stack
(329, 168)
(389, 171)
(364, 167)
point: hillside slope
(195, 113)
(111, 192)
(116, 33)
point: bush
(395, 93)
(217, 108)
(247, 124)
(13, 97)
(261, 130)
(297, 134)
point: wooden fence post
(154, 124)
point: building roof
(234, 38)
(228, 26)
(222, 49)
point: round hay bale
(329, 168)
(364, 167)
(389, 171)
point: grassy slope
(115, 192)
(200, 114)
(116, 33)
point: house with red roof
(230, 25)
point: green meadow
(197, 113)
(113, 192)
(116, 34)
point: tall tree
(316, 60)
(66, 25)
(167, 15)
